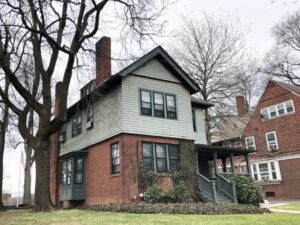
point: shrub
(178, 194)
(182, 208)
(146, 178)
(247, 189)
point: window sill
(270, 182)
(115, 175)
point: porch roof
(208, 150)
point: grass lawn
(91, 217)
(293, 207)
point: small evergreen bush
(248, 190)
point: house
(273, 131)
(137, 117)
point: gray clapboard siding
(200, 135)
(107, 123)
(135, 123)
(156, 70)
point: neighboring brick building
(274, 131)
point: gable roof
(290, 87)
(166, 60)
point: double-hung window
(159, 108)
(250, 143)
(76, 125)
(66, 172)
(63, 133)
(115, 158)
(280, 109)
(90, 116)
(160, 157)
(78, 171)
(266, 171)
(146, 103)
(272, 141)
(171, 106)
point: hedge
(180, 208)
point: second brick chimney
(103, 59)
(241, 105)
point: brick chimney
(241, 105)
(54, 152)
(103, 59)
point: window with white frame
(266, 171)
(272, 141)
(250, 143)
(280, 109)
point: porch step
(223, 197)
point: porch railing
(208, 187)
(226, 186)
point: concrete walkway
(272, 204)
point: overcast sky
(257, 17)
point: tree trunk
(3, 126)
(207, 127)
(27, 176)
(42, 200)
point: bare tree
(209, 49)
(47, 30)
(283, 60)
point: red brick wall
(287, 129)
(101, 186)
(289, 187)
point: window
(271, 141)
(76, 125)
(173, 157)
(147, 151)
(266, 171)
(158, 104)
(171, 106)
(90, 116)
(66, 172)
(146, 108)
(115, 158)
(289, 106)
(160, 157)
(280, 109)
(238, 144)
(78, 171)
(63, 133)
(159, 108)
(194, 120)
(250, 143)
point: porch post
(216, 163)
(231, 162)
(224, 165)
(248, 164)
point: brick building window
(160, 157)
(250, 143)
(273, 111)
(266, 171)
(115, 158)
(272, 141)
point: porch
(216, 169)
